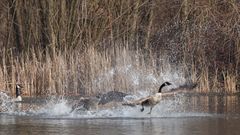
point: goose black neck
(18, 91)
(160, 89)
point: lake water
(216, 115)
(211, 125)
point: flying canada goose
(85, 103)
(150, 100)
(155, 99)
(111, 96)
(101, 100)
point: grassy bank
(85, 47)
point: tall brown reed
(85, 47)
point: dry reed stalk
(64, 73)
(230, 83)
(204, 81)
(85, 47)
(215, 83)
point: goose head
(163, 85)
(18, 92)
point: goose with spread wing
(150, 101)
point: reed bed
(95, 72)
(61, 47)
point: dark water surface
(215, 125)
(199, 115)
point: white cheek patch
(18, 87)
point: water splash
(54, 107)
(60, 107)
(167, 108)
(137, 78)
(6, 104)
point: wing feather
(137, 102)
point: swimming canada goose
(11, 102)
(150, 100)
(18, 93)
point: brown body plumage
(150, 101)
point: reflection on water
(215, 125)
(181, 115)
(213, 104)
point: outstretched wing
(187, 87)
(137, 102)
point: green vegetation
(84, 47)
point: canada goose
(85, 103)
(18, 93)
(150, 100)
(101, 100)
(9, 102)
(112, 96)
